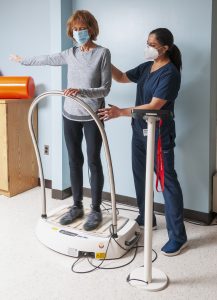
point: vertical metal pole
(155, 280)
(149, 199)
(38, 157)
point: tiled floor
(30, 271)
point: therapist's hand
(71, 92)
(109, 113)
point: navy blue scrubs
(163, 83)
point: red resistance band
(160, 162)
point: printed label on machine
(100, 255)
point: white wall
(25, 30)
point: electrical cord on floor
(95, 267)
(119, 208)
(108, 209)
(117, 267)
(136, 279)
(105, 208)
(156, 256)
(89, 271)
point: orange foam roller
(20, 87)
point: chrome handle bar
(105, 143)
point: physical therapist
(158, 83)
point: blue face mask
(81, 36)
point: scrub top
(163, 83)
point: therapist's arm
(115, 112)
(119, 76)
(155, 104)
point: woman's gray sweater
(90, 72)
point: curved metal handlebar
(105, 143)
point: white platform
(73, 240)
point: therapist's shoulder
(171, 76)
(171, 69)
(171, 72)
(145, 65)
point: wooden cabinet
(18, 166)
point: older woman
(89, 76)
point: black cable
(110, 207)
(134, 279)
(117, 267)
(105, 209)
(124, 265)
(156, 256)
(111, 268)
(120, 245)
(108, 204)
(99, 266)
(89, 271)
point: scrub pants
(172, 191)
(73, 132)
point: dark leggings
(73, 131)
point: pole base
(158, 283)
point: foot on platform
(73, 214)
(93, 220)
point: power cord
(128, 279)
(117, 267)
(135, 279)
(110, 207)
(89, 271)
(95, 267)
